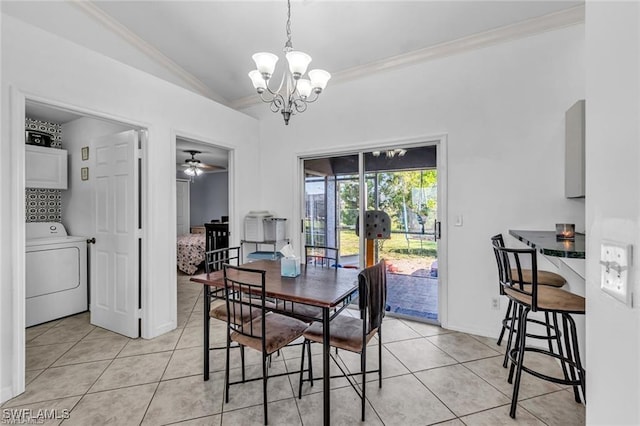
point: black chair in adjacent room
(353, 334)
(532, 297)
(268, 332)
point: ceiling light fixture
(193, 171)
(194, 166)
(294, 92)
(390, 153)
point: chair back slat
(245, 291)
(510, 272)
(324, 256)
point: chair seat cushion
(544, 277)
(281, 330)
(241, 313)
(550, 299)
(300, 311)
(241, 316)
(345, 332)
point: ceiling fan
(194, 167)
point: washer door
(50, 270)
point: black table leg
(325, 366)
(205, 337)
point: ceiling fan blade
(209, 167)
(203, 167)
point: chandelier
(294, 92)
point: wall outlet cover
(615, 263)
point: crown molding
(550, 22)
(133, 39)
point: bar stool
(545, 278)
(531, 297)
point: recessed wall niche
(44, 205)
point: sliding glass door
(400, 182)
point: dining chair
(214, 260)
(268, 332)
(545, 278)
(324, 256)
(532, 297)
(353, 334)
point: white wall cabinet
(45, 167)
(574, 173)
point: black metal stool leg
(573, 353)
(517, 345)
(549, 329)
(504, 321)
(563, 362)
(514, 314)
(522, 332)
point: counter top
(549, 245)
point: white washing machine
(56, 273)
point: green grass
(395, 248)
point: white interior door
(115, 265)
(182, 203)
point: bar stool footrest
(568, 382)
(506, 323)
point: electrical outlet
(495, 303)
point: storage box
(254, 225)
(274, 229)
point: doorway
(99, 201)
(403, 182)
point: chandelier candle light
(294, 92)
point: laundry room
(60, 210)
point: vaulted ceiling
(206, 46)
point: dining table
(321, 287)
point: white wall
(613, 206)
(78, 200)
(80, 79)
(502, 108)
(209, 198)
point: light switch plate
(615, 262)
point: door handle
(437, 230)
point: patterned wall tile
(44, 205)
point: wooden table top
(315, 286)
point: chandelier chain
(288, 46)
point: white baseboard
(165, 328)
(493, 334)
(6, 393)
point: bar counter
(549, 245)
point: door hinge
(437, 231)
(138, 313)
(139, 153)
(139, 233)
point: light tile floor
(430, 376)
